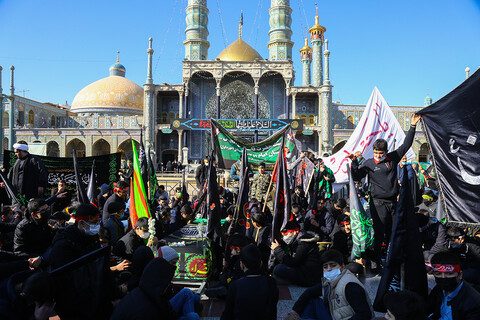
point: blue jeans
(315, 310)
(184, 304)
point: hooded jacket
(149, 301)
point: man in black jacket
(33, 235)
(121, 191)
(304, 266)
(383, 183)
(28, 174)
(254, 296)
(126, 246)
(452, 298)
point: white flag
(377, 122)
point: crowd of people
(47, 235)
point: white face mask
(145, 235)
(380, 159)
(93, 229)
(332, 274)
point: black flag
(92, 187)
(10, 189)
(404, 249)
(152, 177)
(214, 228)
(81, 194)
(452, 127)
(241, 220)
(282, 204)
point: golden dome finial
(118, 56)
(240, 24)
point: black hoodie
(149, 301)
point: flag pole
(270, 186)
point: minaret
(326, 108)
(316, 33)
(306, 56)
(196, 44)
(280, 44)
(149, 102)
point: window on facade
(31, 117)
(311, 119)
(297, 116)
(350, 124)
(304, 118)
(171, 116)
(52, 122)
(164, 117)
(5, 120)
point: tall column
(180, 104)
(294, 105)
(287, 94)
(306, 58)
(316, 33)
(185, 115)
(11, 115)
(218, 99)
(148, 109)
(196, 44)
(256, 109)
(180, 155)
(327, 135)
(280, 44)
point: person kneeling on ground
(344, 297)
(254, 296)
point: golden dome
(239, 51)
(111, 94)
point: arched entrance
(53, 149)
(126, 149)
(423, 153)
(5, 144)
(100, 148)
(76, 145)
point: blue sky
(403, 47)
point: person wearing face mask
(340, 295)
(77, 239)
(114, 225)
(452, 297)
(138, 236)
(381, 172)
(429, 203)
(303, 267)
(33, 235)
(467, 249)
(121, 192)
(58, 220)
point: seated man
(343, 296)
(451, 298)
(320, 221)
(126, 246)
(254, 296)
(303, 267)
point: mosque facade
(239, 83)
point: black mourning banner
(106, 167)
(452, 127)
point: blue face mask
(93, 229)
(332, 274)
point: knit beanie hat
(167, 253)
